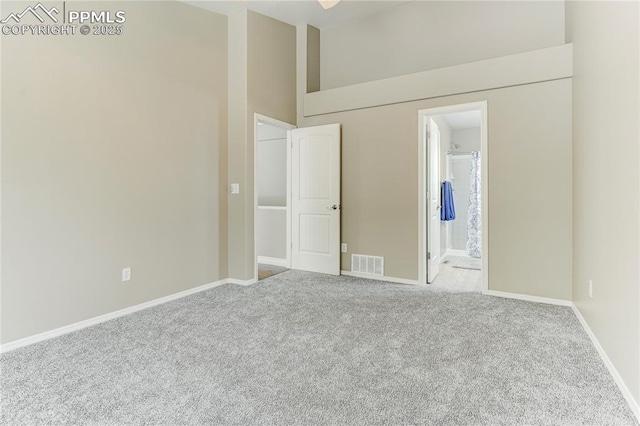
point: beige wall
(529, 132)
(271, 84)
(423, 35)
(237, 161)
(271, 91)
(113, 149)
(606, 155)
(271, 65)
(313, 59)
(534, 66)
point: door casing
(433, 199)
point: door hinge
(428, 255)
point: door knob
(333, 207)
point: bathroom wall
(468, 139)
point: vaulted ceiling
(298, 12)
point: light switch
(235, 188)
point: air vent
(372, 265)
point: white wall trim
(536, 66)
(9, 346)
(379, 278)
(528, 298)
(273, 261)
(242, 282)
(633, 404)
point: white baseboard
(241, 282)
(633, 404)
(528, 298)
(112, 315)
(273, 261)
(379, 278)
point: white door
(315, 199)
(433, 201)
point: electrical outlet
(591, 289)
(343, 247)
(126, 274)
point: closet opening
(272, 196)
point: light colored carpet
(301, 348)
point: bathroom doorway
(452, 190)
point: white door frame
(273, 122)
(433, 246)
(423, 213)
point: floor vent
(373, 265)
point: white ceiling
(463, 120)
(298, 12)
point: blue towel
(448, 210)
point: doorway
(453, 158)
(272, 185)
(297, 197)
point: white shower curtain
(474, 220)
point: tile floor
(459, 279)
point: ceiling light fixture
(328, 4)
